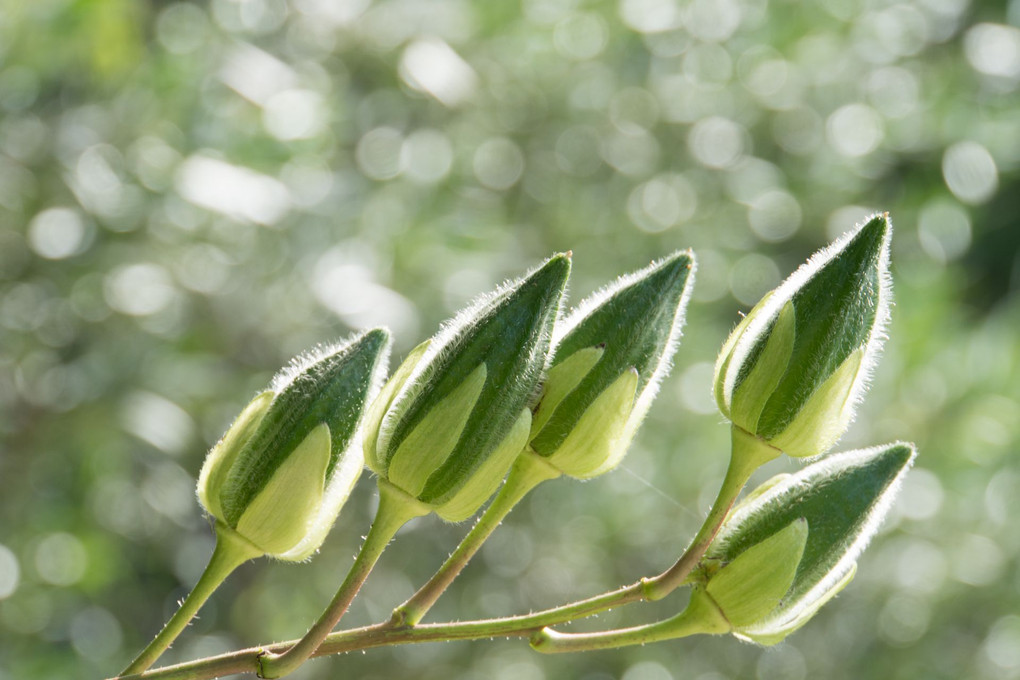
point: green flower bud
(842, 499)
(281, 473)
(455, 415)
(611, 354)
(793, 370)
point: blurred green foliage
(190, 193)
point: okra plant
(512, 393)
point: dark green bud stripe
(843, 499)
(330, 389)
(635, 323)
(510, 334)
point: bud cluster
(508, 386)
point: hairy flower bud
(610, 356)
(455, 415)
(792, 372)
(281, 473)
(840, 500)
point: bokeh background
(191, 193)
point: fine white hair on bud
(284, 469)
(795, 369)
(843, 498)
(610, 356)
(456, 414)
(437, 350)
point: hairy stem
(702, 616)
(395, 509)
(528, 471)
(231, 551)
(747, 454)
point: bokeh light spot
(712, 20)
(232, 190)
(378, 153)
(970, 172)
(647, 670)
(893, 91)
(1002, 645)
(650, 16)
(785, 662)
(139, 289)
(432, 66)
(979, 561)
(774, 216)
(294, 114)
(427, 156)
(95, 634)
(944, 229)
(498, 163)
(182, 27)
(634, 154)
(158, 421)
(855, 130)
(577, 150)
(661, 203)
(921, 566)
(994, 49)
(921, 495)
(10, 572)
(798, 131)
(60, 559)
(695, 388)
(56, 233)
(752, 276)
(581, 36)
(716, 142)
(904, 619)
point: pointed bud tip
(376, 337)
(680, 259)
(556, 267)
(906, 451)
(876, 228)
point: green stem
(747, 454)
(528, 471)
(702, 616)
(395, 509)
(384, 634)
(231, 551)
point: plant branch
(528, 471)
(747, 454)
(231, 551)
(702, 616)
(395, 509)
